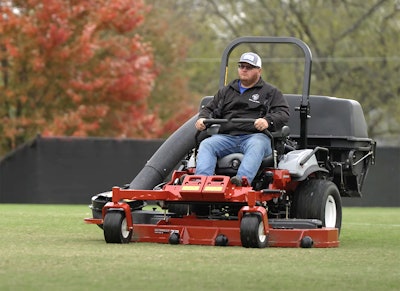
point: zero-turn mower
(294, 201)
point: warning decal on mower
(190, 188)
(213, 188)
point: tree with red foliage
(74, 68)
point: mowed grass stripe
(49, 247)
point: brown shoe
(235, 180)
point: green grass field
(49, 247)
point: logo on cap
(251, 58)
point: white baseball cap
(251, 58)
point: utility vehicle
(295, 200)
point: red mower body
(191, 229)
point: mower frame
(280, 210)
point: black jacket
(262, 100)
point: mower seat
(229, 164)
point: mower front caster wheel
(252, 233)
(115, 228)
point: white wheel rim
(330, 212)
(124, 229)
(261, 234)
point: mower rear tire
(319, 199)
(178, 209)
(115, 228)
(252, 233)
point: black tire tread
(249, 232)
(112, 228)
(310, 200)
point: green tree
(166, 28)
(187, 52)
(354, 45)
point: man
(247, 97)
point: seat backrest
(204, 101)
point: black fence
(68, 170)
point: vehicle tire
(319, 199)
(178, 209)
(252, 234)
(99, 200)
(115, 228)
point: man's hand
(261, 124)
(200, 124)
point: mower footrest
(295, 223)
